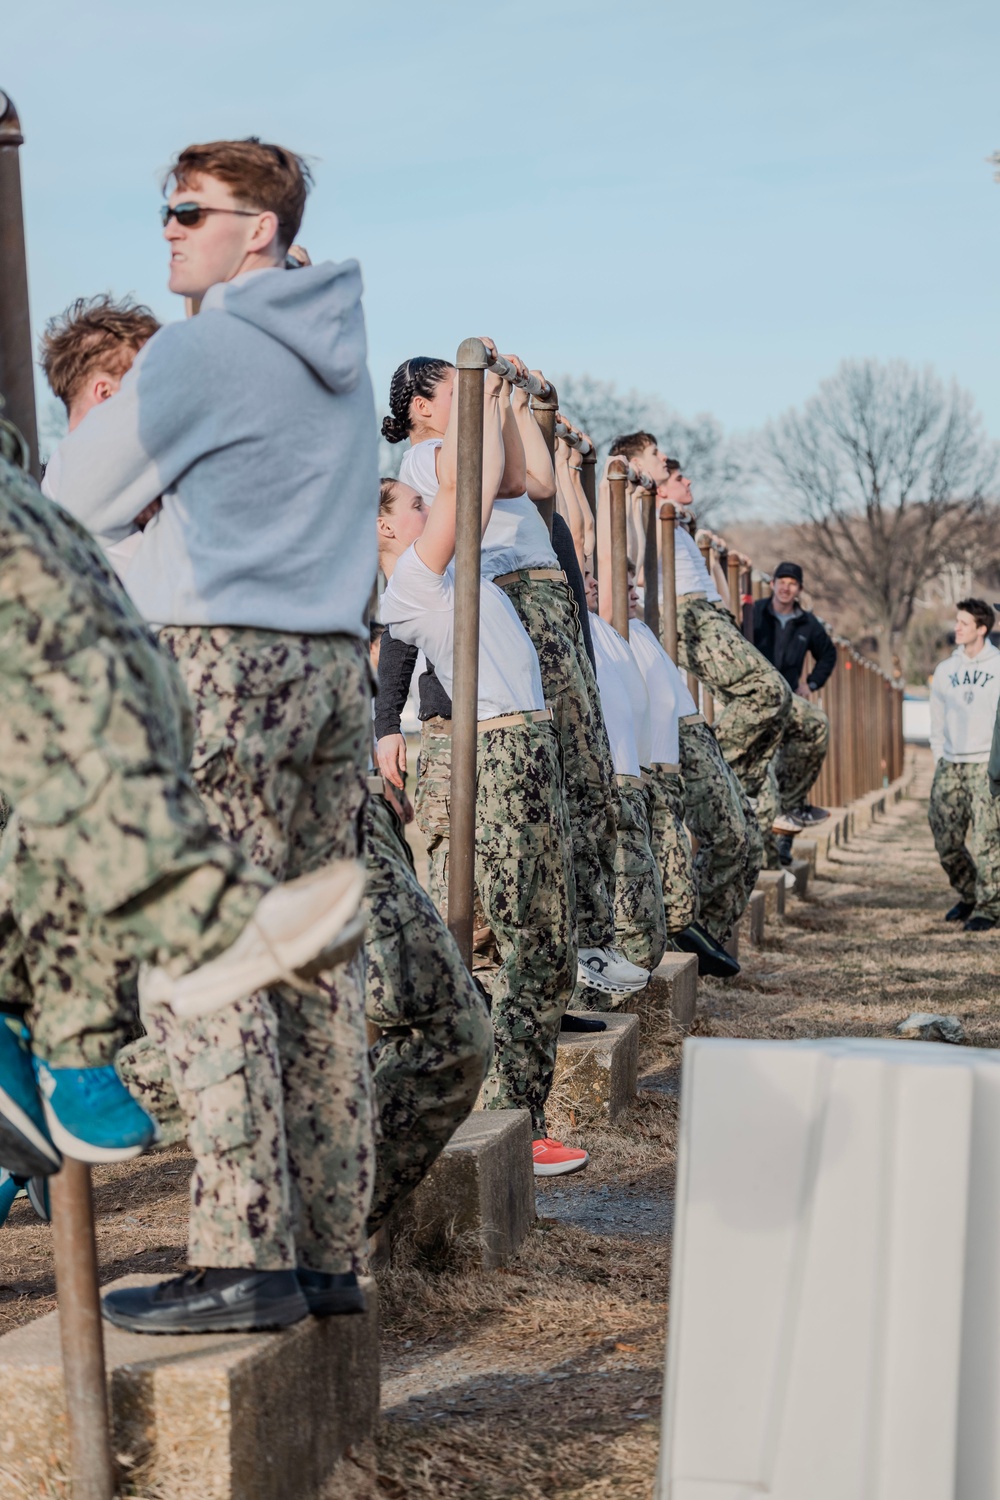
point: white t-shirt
(419, 604)
(516, 536)
(669, 699)
(692, 575)
(624, 700)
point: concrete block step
(772, 884)
(800, 871)
(733, 946)
(597, 1072)
(478, 1199)
(753, 918)
(806, 849)
(671, 994)
(219, 1416)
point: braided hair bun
(419, 376)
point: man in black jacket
(785, 633)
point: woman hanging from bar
(523, 871)
(518, 556)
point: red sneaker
(552, 1158)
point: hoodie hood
(314, 311)
(988, 653)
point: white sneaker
(299, 929)
(607, 970)
(787, 824)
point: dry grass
(543, 1379)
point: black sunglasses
(190, 215)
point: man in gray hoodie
(254, 425)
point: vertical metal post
(650, 564)
(544, 409)
(746, 598)
(93, 1476)
(735, 600)
(668, 607)
(617, 477)
(707, 701)
(471, 361)
(17, 374)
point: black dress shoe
(329, 1293)
(210, 1301)
(960, 912)
(978, 924)
(571, 1022)
(809, 816)
(712, 957)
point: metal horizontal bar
(530, 383)
(574, 439)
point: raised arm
(541, 480)
(514, 480)
(567, 504)
(436, 547)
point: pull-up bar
(576, 440)
(530, 383)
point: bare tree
(888, 464)
(713, 461)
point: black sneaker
(807, 815)
(216, 1300)
(785, 849)
(329, 1293)
(979, 924)
(960, 912)
(570, 1022)
(712, 957)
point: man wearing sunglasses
(254, 423)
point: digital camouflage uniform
(108, 856)
(755, 699)
(797, 762)
(548, 612)
(672, 847)
(640, 918)
(961, 808)
(524, 883)
(276, 1088)
(436, 1040)
(716, 810)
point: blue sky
(713, 203)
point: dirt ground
(544, 1379)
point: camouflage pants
(672, 847)
(961, 808)
(716, 810)
(640, 917)
(755, 698)
(524, 883)
(436, 1040)
(549, 614)
(108, 856)
(795, 767)
(432, 803)
(276, 1089)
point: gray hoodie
(255, 423)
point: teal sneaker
(91, 1115)
(26, 1147)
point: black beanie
(788, 570)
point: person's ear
(385, 530)
(265, 232)
(420, 407)
(103, 389)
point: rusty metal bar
(17, 373)
(81, 1333)
(579, 441)
(668, 606)
(746, 598)
(544, 407)
(650, 566)
(733, 579)
(707, 701)
(530, 383)
(617, 479)
(471, 361)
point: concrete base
(479, 1197)
(806, 849)
(671, 994)
(772, 884)
(224, 1416)
(597, 1073)
(733, 946)
(800, 871)
(753, 919)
